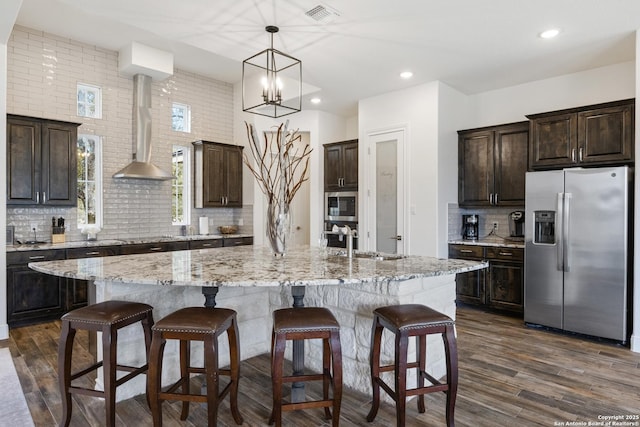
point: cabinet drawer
(25, 257)
(205, 244)
(237, 241)
(92, 252)
(505, 254)
(465, 251)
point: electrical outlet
(33, 226)
(495, 226)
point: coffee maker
(470, 227)
(516, 224)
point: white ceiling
(471, 45)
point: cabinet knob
(506, 253)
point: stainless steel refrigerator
(576, 250)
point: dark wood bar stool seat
(303, 323)
(406, 321)
(195, 324)
(106, 317)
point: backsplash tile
(486, 218)
(42, 73)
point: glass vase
(277, 227)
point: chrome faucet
(347, 231)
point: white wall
(635, 337)
(10, 10)
(415, 110)
(453, 109)
(512, 104)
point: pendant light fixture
(272, 82)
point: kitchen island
(253, 282)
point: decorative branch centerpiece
(280, 167)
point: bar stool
(303, 323)
(406, 321)
(195, 324)
(106, 317)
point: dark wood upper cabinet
(218, 175)
(600, 134)
(492, 163)
(341, 166)
(41, 162)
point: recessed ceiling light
(549, 34)
(315, 100)
(406, 74)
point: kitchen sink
(378, 256)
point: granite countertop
(505, 242)
(120, 242)
(251, 266)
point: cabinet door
(606, 135)
(213, 176)
(475, 168)
(511, 150)
(33, 297)
(350, 166)
(233, 176)
(23, 162)
(553, 141)
(59, 177)
(333, 167)
(506, 286)
(470, 287)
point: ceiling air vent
(322, 13)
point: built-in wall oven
(341, 206)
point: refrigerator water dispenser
(544, 227)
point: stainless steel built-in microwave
(341, 206)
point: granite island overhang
(250, 280)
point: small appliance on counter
(516, 224)
(470, 227)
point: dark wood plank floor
(510, 375)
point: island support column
(297, 388)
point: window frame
(99, 221)
(186, 187)
(186, 109)
(97, 90)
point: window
(181, 117)
(89, 180)
(89, 101)
(180, 198)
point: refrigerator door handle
(566, 232)
(559, 240)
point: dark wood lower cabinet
(501, 286)
(506, 285)
(34, 297)
(31, 296)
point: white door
(385, 192)
(300, 222)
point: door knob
(398, 237)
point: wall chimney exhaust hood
(130, 60)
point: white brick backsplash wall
(43, 71)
